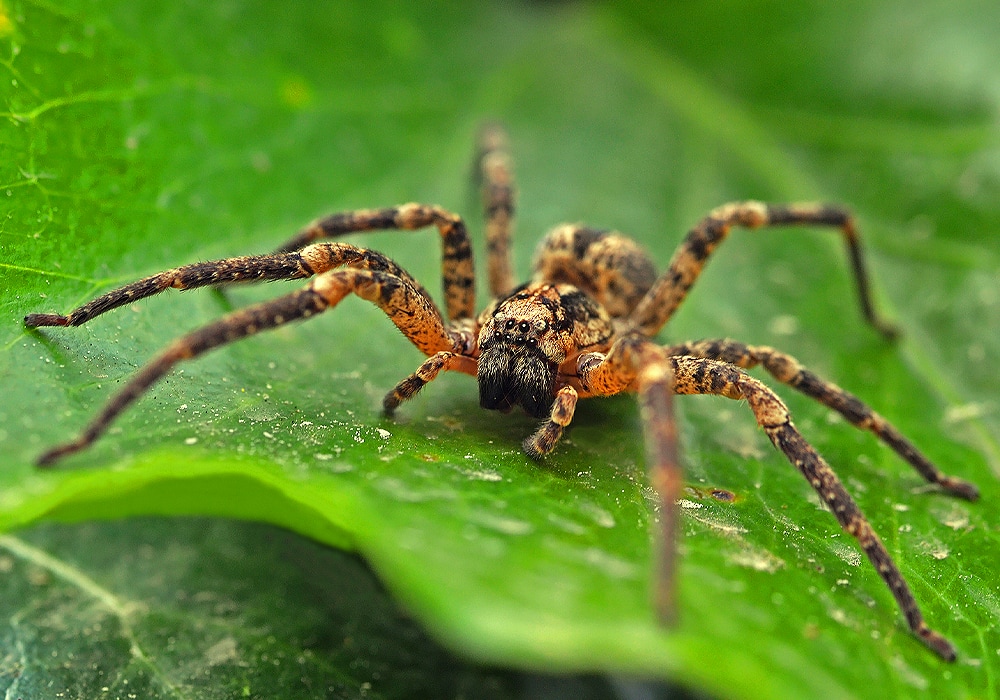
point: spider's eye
(510, 323)
(532, 342)
(524, 326)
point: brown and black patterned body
(613, 269)
(528, 337)
(582, 327)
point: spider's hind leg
(493, 175)
(787, 370)
(672, 287)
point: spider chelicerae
(583, 326)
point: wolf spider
(582, 327)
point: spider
(583, 326)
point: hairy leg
(427, 372)
(693, 375)
(787, 370)
(496, 184)
(456, 265)
(544, 440)
(299, 264)
(635, 363)
(670, 289)
(406, 307)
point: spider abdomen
(611, 268)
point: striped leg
(427, 372)
(787, 370)
(456, 265)
(419, 320)
(694, 375)
(544, 440)
(669, 291)
(496, 183)
(635, 363)
(656, 389)
(299, 264)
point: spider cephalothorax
(584, 326)
(528, 337)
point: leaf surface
(139, 136)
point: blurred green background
(138, 136)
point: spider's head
(519, 356)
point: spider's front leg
(544, 440)
(407, 307)
(635, 363)
(251, 268)
(456, 260)
(427, 372)
(299, 262)
(693, 375)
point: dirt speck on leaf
(221, 652)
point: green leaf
(139, 136)
(209, 609)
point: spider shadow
(604, 440)
(584, 447)
(57, 351)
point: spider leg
(299, 264)
(427, 372)
(410, 311)
(248, 268)
(693, 375)
(787, 370)
(635, 363)
(496, 184)
(669, 291)
(544, 440)
(456, 264)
